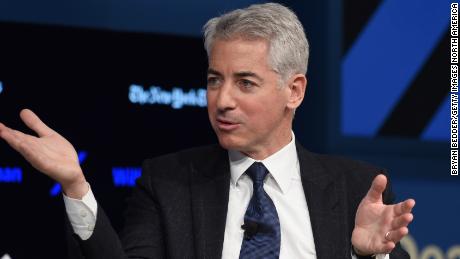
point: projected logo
(125, 176)
(10, 175)
(177, 98)
(430, 251)
(395, 71)
(56, 189)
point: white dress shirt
(283, 185)
(82, 214)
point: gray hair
(275, 23)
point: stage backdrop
(124, 81)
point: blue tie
(262, 235)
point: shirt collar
(282, 165)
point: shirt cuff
(82, 213)
(377, 256)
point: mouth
(226, 125)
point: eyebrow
(214, 72)
(237, 74)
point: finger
(9, 136)
(32, 121)
(14, 138)
(387, 247)
(3, 127)
(396, 235)
(25, 144)
(378, 186)
(402, 221)
(404, 207)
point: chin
(230, 142)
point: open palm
(49, 153)
(378, 227)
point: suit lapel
(210, 185)
(327, 215)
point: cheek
(208, 97)
(257, 114)
(266, 114)
(210, 100)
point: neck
(270, 148)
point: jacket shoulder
(196, 155)
(175, 165)
(357, 175)
(351, 167)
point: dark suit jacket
(179, 206)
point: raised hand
(378, 227)
(49, 153)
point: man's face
(246, 106)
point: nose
(225, 98)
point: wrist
(360, 254)
(76, 189)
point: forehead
(239, 54)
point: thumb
(32, 121)
(378, 186)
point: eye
(244, 83)
(213, 81)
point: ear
(297, 85)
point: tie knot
(257, 171)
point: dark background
(73, 65)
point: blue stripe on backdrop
(439, 127)
(385, 58)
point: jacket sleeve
(142, 234)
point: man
(259, 194)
